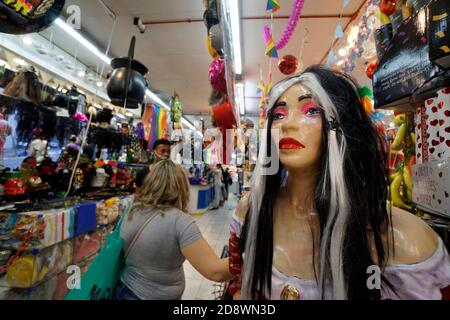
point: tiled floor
(215, 227)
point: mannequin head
(336, 142)
(298, 119)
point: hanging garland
(290, 27)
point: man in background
(161, 151)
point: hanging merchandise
(388, 6)
(127, 84)
(273, 5)
(210, 16)
(155, 124)
(217, 76)
(271, 50)
(176, 110)
(290, 27)
(216, 38)
(5, 131)
(28, 16)
(356, 48)
(288, 64)
(25, 86)
(366, 97)
(213, 53)
(371, 68)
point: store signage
(405, 67)
(27, 16)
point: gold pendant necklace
(290, 293)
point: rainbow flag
(147, 121)
(260, 88)
(273, 5)
(271, 51)
(155, 124)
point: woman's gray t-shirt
(154, 266)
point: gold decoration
(440, 34)
(439, 17)
(290, 293)
(445, 49)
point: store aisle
(214, 226)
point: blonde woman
(166, 237)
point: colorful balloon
(288, 64)
(211, 50)
(217, 76)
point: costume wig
(349, 197)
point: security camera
(140, 25)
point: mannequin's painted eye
(312, 109)
(279, 113)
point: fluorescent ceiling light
(81, 73)
(27, 40)
(155, 98)
(81, 39)
(342, 52)
(20, 61)
(236, 35)
(240, 98)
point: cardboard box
(431, 186)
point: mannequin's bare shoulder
(414, 240)
(243, 206)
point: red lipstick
(290, 143)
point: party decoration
(384, 19)
(366, 96)
(155, 124)
(371, 68)
(291, 25)
(271, 50)
(288, 64)
(388, 6)
(339, 33)
(356, 48)
(261, 87)
(176, 108)
(330, 58)
(210, 16)
(269, 85)
(217, 76)
(215, 34)
(28, 16)
(127, 84)
(266, 34)
(273, 5)
(213, 53)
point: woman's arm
(203, 258)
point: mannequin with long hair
(316, 224)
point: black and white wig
(349, 197)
